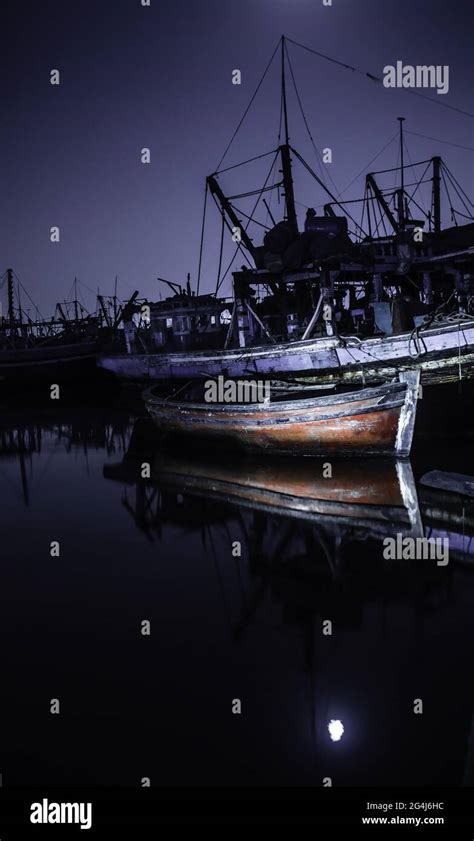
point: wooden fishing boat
(443, 353)
(374, 497)
(372, 421)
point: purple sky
(160, 77)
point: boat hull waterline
(373, 421)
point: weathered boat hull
(369, 496)
(374, 421)
(442, 354)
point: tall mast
(401, 192)
(285, 151)
(283, 89)
(115, 299)
(75, 299)
(11, 297)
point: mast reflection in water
(326, 643)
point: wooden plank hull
(442, 353)
(376, 421)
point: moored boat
(443, 353)
(372, 421)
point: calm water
(223, 627)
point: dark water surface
(222, 627)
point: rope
(378, 79)
(316, 150)
(364, 170)
(220, 252)
(243, 163)
(437, 140)
(248, 106)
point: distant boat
(373, 421)
(54, 360)
(447, 503)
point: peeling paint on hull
(442, 354)
(374, 421)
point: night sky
(161, 77)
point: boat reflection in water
(312, 557)
(326, 642)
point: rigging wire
(243, 163)
(438, 140)
(458, 194)
(202, 237)
(379, 80)
(453, 212)
(311, 171)
(316, 150)
(418, 185)
(255, 192)
(249, 105)
(28, 296)
(239, 245)
(453, 179)
(221, 249)
(268, 214)
(250, 219)
(255, 222)
(367, 165)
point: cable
(367, 165)
(378, 79)
(249, 105)
(316, 150)
(249, 161)
(202, 238)
(437, 140)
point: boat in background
(447, 505)
(377, 421)
(62, 350)
(351, 299)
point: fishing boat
(443, 353)
(374, 497)
(351, 299)
(372, 421)
(447, 505)
(62, 349)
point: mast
(115, 299)
(285, 151)
(437, 194)
(11, 297)
(75, 299)
(401, 191)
